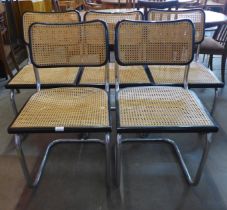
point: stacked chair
(65, 109)
(25, 78)
(128, 76)
(199, 75)
(159, 109)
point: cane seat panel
(65, 107)
(160, 107)
(128, 75)
(26, 76)
(198, 74)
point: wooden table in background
(70, 4)
(34, 5)
(214, 19)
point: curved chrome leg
(22, 160)
(198, 173)
(108, 160)
(203, 159)
(192, 181)
(13, 102)
(34, 182)
(214, 102)
(118, 160)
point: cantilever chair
(128, 76)
(65, 109)
(159, 109)
(199, 75)
(25, 78)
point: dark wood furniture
(216, 45)
(6, 50)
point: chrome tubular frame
(186, 72)
(13, 102)
(107, 77)
(197, 53)
(37, 78)
(214, 102)
(117, 77)
(34, 182)
(191, 180)
(28, 52)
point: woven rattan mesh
(41, 17)
(160, 106)
(47, 76)
(155, 43)
(128, 74)
(112, 18)
(74, 44)
(198, 74)
(65, 107)
(196, 16)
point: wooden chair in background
(216, 45)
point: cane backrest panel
(57, 45)
(111, 18)
(140, 42)
(47, 17)
(197, 16)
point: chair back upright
(220, 35)
(68, 45)
(111, 18)
(154, 43)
